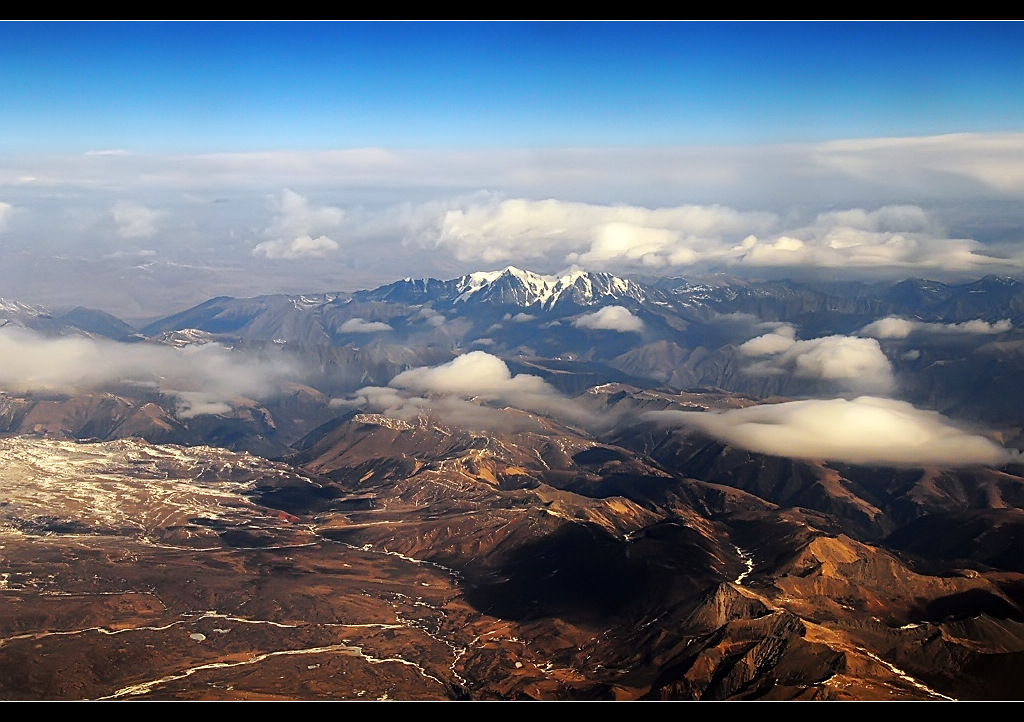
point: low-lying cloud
(852, 363)
(611, 318)
(777, 341)
(358, 325)
(865, 430)
(454, 391)
(204, 378)
(473, 374)
(452, 410)
(896, 327)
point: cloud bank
(896, 327)
(452, 410)
(865, 430)
(591, 235)
(204, 378)
(455, 390)
(652, 239)
(939, 207)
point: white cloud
(291, 232)
(592, 235)
(865, 430)
(645, 239)
(890, 327)
(299, 247)
(854, 363)
(895, 327)
(201, 376)
(977, 326)
(473, 374)
(831, 244)
(294, 214)
(423, 213)
(611, 318)
(431, 317)
(358, 325)
(449, 409)
(199, 403)
(449, 387)
(779, 340)
(134, 220)
(455, 392)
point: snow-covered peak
(527, 288)
(185, 337)
(524, 288)
(7, 306)
(304, 303)
(16, 314)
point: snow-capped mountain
(21, 314)
(514, 286)
(78, 320)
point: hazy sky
(145, 167)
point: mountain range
(516, 486)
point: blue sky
(203, 87)
(145, 167)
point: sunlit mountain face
(510, 485)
